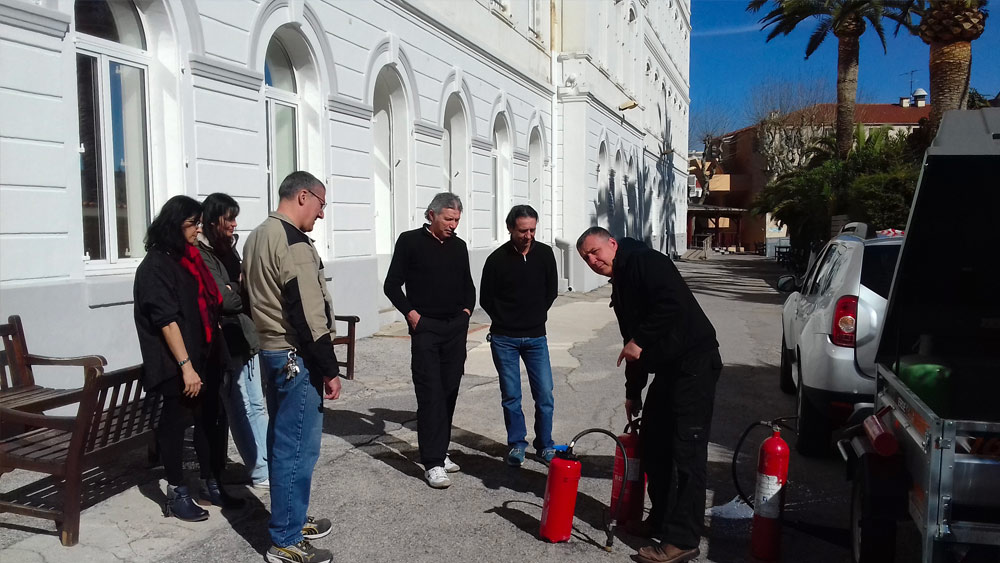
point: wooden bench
(113, 417)
(348, 341)
(17, 380)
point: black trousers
(676, 421)
(211, 430)
(437, 362)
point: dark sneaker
(515, 457)
(181, 506)
(316, 528)
(302, 552)
(213, 493)
(545, 456)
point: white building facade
(109, 108)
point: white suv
(830, 328)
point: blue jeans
(248, 419)
(293, 439)
(507, 353)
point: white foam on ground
(735, 509)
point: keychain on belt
(292, 366)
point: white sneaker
(450, 466)
(264, 485)
(437, 478)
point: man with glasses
(293, 314)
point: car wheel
(873, 538)
(814, 429)
(787, 382)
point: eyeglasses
(322, 202)
(190, 223)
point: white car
(830, 328)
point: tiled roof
(869, 114)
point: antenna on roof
(910, 72)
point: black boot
(180, 505)
(212, 491)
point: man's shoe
(666, 553)
(450, 466)
(545, 456)
(515, 457)
(302, 552)
(316, 528)
(264, 485)
(181, 506)
(437, 477)
(212, 492)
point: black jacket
(656, 309)
(165, 292)
(517, 290)
(239, 330)
(436, 274)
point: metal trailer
(931, 450)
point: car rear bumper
(832, 369)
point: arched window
(455, 144)
(390, 132)
(282, 104)
(502, 155)
(536, 179)
(111, 72)
(603, 181)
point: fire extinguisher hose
(736, 451)
(610, 530)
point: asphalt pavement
(369, 483)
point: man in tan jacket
(293, 314)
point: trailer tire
(786, 381)
(873, 537)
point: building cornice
(227, 73)
(612, 113)
(34, 18)
(521, 156)
(428, 129)
(347, 106)
(482, 144)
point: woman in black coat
(183, 351)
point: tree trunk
(949, 75)
(847, 91)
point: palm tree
(846, 19)
(949, 27)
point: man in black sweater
(518, 287)
(433, 263)
(665, 332)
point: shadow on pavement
(369, 434)
(735, 281)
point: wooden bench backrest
(113, 410)
(14, 368)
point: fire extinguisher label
(766, 498)
(634, 473)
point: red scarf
(209, 298)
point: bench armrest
(12, 416)
(84, 361)
(347, 318)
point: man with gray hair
(433, 264)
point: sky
(730, 58)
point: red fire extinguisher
(634, 494)
(769, 497)
(560, 496)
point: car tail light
(845, 319)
